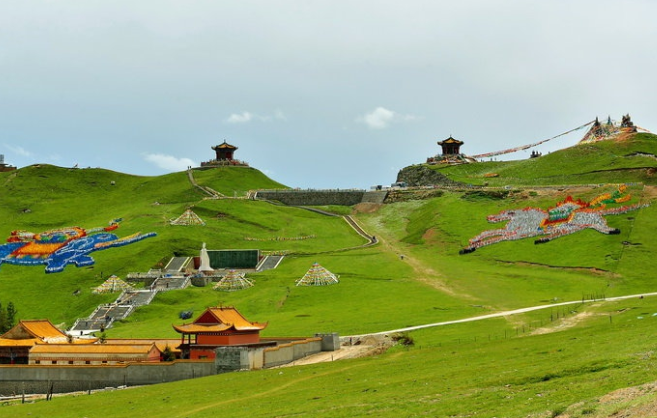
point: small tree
(167, 354)
(4, 324)
(7, 317)
(11, 314)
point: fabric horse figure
(532, 222)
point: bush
(403, 338)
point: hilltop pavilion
(451, 153)
(224, 155)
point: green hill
(631, 160)
(537, 364)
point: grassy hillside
(38, 198)
(235, 181)
(632, 160)
(529, 365)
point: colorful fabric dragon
(60, 247)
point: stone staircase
(177, 264)
(167, 283)
(102, 318)
(269, 262)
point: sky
(314, 93)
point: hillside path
(205, 189)
(503, 314)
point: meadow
(458, 371)
(543, 363)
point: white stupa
(205, 261)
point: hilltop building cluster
(609, 130)
(451, 152)
(5, 167)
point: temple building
(94, 354)
(224, 151)
(224, 155)
(15, 344)
(218, 327)
(450, 146)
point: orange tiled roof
(225, 145)
(197, 328)
(27, 342)
(218, 320)
(92, 348)
(450, 140)
(230, 315)
(41, 329)
(161, 344)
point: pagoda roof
(41, 330)
(224, 145)
(219, 319)
(450, 140)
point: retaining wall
(15, 380)
(313, 197)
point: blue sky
(317, 94)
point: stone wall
(313, 197)
(15, 380)
(28, 379)
(330, 342)
(293, 350)
(230, 359)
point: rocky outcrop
(421, 175)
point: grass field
(539, 364)
(460, 371)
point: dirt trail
(423, 273)
(564, 324)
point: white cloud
(246, 117)
(243, 117)
(279, 115)
(381, 118)
(18, 150)
(169, 162)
